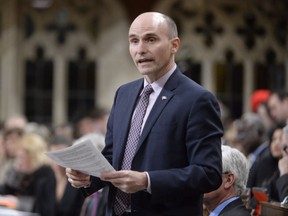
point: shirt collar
(220, 207)
(159, 84)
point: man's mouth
(140, 61)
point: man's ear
(229, 180)
(175, 44)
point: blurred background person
(11, 131)
(269, 162)
(83, 125)
(92, 125)
(40, 129)
(278, 185)
(93, 121)
(95, 204)
(15, 121)
(265, 167)
(259, 104)
(278, 106)
(226, 200)
(10, 138)
(264, 112)
(99, 117)
(68, 200)
(31, 179)
(258, 97)
(251, 136)
(66, 129)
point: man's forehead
(273, 99)
(143, 32)
(149, 17)
(150, 23)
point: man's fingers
(70, 173)
(109, 176)
(75, 184)
(77, 179)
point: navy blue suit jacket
(180, 147)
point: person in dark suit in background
(226, 200)
(67, 200)
(178, 155)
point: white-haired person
(226, 200)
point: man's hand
(126, 180)
(77, 178)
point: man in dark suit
(226, 200)
(178, 155)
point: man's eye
(133, 41)
(151, 40)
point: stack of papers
(83, 156)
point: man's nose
(141, 48)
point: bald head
(153, 43)
(158, 19)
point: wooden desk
(273, 209)
(12, 212)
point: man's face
(213, 196)
(150, 47)
(276, 107)
(223, 193)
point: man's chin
(145, 72)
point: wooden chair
(273, 208)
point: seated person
(251, 137)
(68, 200)
(31, 180)
(10, 138)
(278, 185)
(269, 161)
(226, 200)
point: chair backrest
(275, 209)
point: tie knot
(147, 90)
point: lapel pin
(164, 97)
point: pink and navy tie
(122, 201)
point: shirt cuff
(149, 183)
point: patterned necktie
(122, 200)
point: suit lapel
(129, 106)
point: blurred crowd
(262, 136)
(30, 181)
(34, 183)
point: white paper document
(83, 156)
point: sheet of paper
(83, 156)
